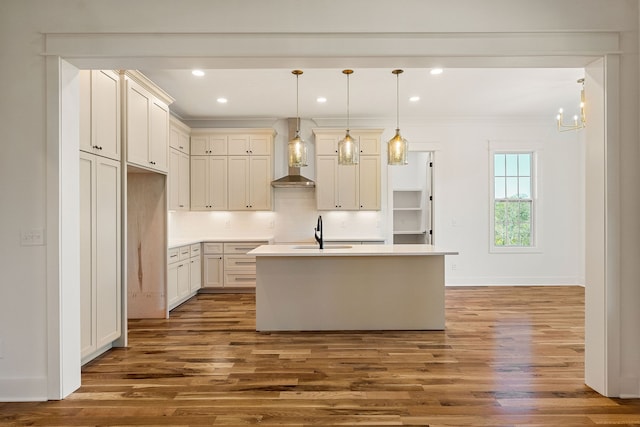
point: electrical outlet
(33, 237)
(454, 267)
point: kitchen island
(349, 287)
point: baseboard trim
(24, 389)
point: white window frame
(533, 148)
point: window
(513, 200)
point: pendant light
(297, 146)
(397, 147)
(348, 151)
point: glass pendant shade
(348, 151)
(297, 152)
(297, 146)
(397, 149)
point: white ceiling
(271, 93)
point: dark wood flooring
(509, 356)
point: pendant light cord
(297, 102)
(397, 101)
(347, 102)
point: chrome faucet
(317, 230)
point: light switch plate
(33, 237)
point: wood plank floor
(509, 356)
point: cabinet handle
(181, 147)
(181, 265)
(173, 256)
(245, 262)
(182, 206)
(244, 279)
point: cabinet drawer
(240, 262)
(237, 279)
(212, 248)
(173, 255)
(195, 249)
(185, 252)
(241, 247)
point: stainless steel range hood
(293, 179)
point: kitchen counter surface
(311, 250)
(183, 242)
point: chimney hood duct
(293, 179)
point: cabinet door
(195, 274)
(87, 255)
(183, 278)
(183, 182)
(85, 111)
(199, 145)
(326, 145)
(159, 139)
(369, 182)
(138, 108)
(199, 183)
(260, 145)
(172, 283)
(260, 182)
(238, 174)
(105, 113)
(326, 181)
(213, 270)
(178, 139)
(218, 145)
(238, 145)
(348, 187)
(369, 145)
(107, 244)
(174, 179)
(218, 192)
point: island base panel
(350, 293)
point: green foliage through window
(513, 203)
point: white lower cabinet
(227, 265)
(100, 254)
(183, 274)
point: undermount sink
(325, 247)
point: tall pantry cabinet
(100, 212)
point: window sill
(515, 250)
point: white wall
(563, 26)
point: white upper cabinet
(208, 145)
(353, 187)
(178, 177)
(208, 183)
(250, 183)
(100, 113)
(250, 145)
(231, 169)
(179, 135)
(147, 123)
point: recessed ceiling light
(222, 100)
(435, 71)
(415, 98)
(197, 73)
(321, 99)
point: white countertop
(174, 243)
(348, 250)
